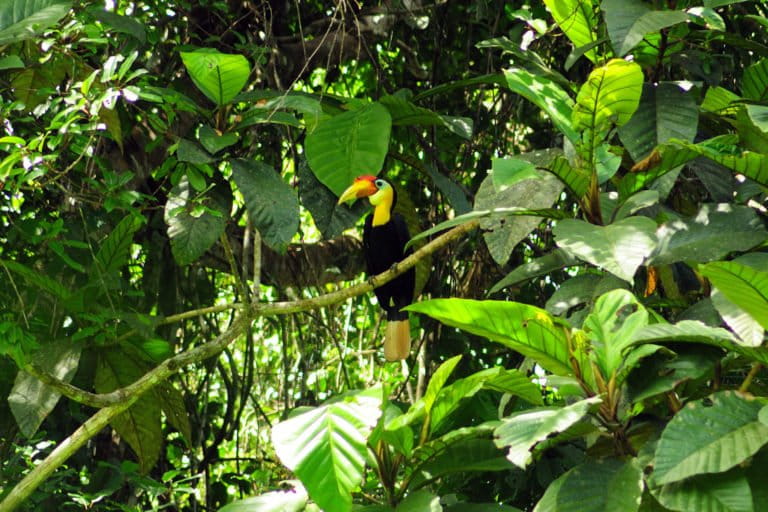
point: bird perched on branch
(385, 235)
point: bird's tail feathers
(397, 340)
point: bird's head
(379, 192)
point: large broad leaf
(546, 95)
(616, 317)
(755, 81)
(629, 21)
(31, 400)
(595, 486)
(722, 492)
(666, 111)
(732, 433)
(350, 144)
(714, 232)
(276, 501)
(619, 248)
(220, 76)
(118, 23)
(405, 113)
(24, 19)
(502, 234)
(676, 152)
(521, 432)
(743, 324)
(326, 447)
(272, 203)
(114, 251)
(577, 179)
(578, 20)
(140, 425)
(513, 382)
(554, 260)
(195, 224)
(610, 96)
(527, 329)
(742, 285)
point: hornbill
(384, 237)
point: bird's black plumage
(383, 246)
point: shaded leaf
(275, 501)
(272, 203)
(723, 492)
(194, 225)
(213, 142)
(118, 23)
(754, 83)
(31, 400)
(114, 251)
(578, 20)
(595, 486)
(502, 234)
(714, 232)
(554, 260)
(140, 425)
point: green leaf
(571, 293)
(616, 317)
(554, 260)
(578, 20)
(330, 217)
(502, 234)
(619, 248)
(549, 213)
(595, 486)
(191, 152)
(192, 232)
(522, 431)
(272, 203)
(480, 507)
(610, 96)
(723, 492)
(718, 149)
(743, 285)
(219, 76)
(754, 83)
(24, 19)
(140, 425)
(326, 448)
(276, 501)
(213, 142)
(118, 23)
(37, 279)
(30, 400)
(758, 114)
(11, 62)
(685, 330)
(666, 111)
(438, 380)
(420, 501)
(576, 179)
(630, 21)
(460, 451)
(732, 433)
(405, 113)
(714, 232)
(635, 202)
(527, 329)
(546, 95)
(172, 404)
(350, 144)
(114, 252)
(746, 328)
(510, 170)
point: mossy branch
(120, 400)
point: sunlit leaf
(744, 286)
(220, 76)
(24, 19)
(610, 96)
(326, 448)
(577, 19)
(350, 144)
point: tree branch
(121, 399)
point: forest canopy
(187, 322)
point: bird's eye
(379, 183)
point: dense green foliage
(171, 248)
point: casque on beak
(363, 186)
